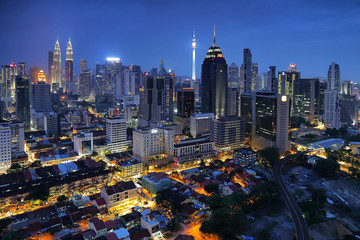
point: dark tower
(23, 101)
(214, 82)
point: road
(302, 230)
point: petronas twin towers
(69, 63)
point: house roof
(143, 233)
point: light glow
(112, 59)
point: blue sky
(310, 33)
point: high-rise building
(83, 143)
(156, 99)
(50, 67)
(17, 136)
(85, 84)
(8, 82)
(69, 67)
(347, 87)
(349, 111)
(138, 77)
(331, 108)
(56, 75)
(154, 146)
(233, 101)
(306, 100)
(23, 101)
(247, 71)
(271, 80)
(228, 133)
(5, 142)
(200, 124)
(193, 45)
(214, 82)
(129, 83)
(83, 65)
(233, 80)
(246, 111)
(185, 102)
(113, 77)
(22, 69)
(115, 130)
(292, 67)
(254, 77)
(51, 124)
(270, 121)
(334, 77)
(40, 97)
(34, 71)
(286, 82)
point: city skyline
(315, 31)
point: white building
(153, 146)
(122, 195)
(17, 136)
(332, 110)
(83, 143)
(192, 151)
(129, 82)
(115, 130)
(5, 143)
(200, 124)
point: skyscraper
(56, 75)
(129, 83)
(332, 110)
(247, 74)
(8, 82)
(270, 121)
(69, 67)
(306, 100)
(40, 97)
(254, 77)
(214, 82)
(22, 69)
(286, 82)
(138, 77)
(271, 80)
(23, 101)
(50, 66)
(193, 45)
(156, 99)
(113, 77)
(334, 77)
(85, 84)
(233, 80)
(347, 88)
(5, 142)
(83, 65)
(185, 102)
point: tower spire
(214, 37)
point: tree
(173, 225)
(41, 193)
(15, 167)
(332, 132)
(319, 196)
(35, 164)
(62, 198)
(299, 193)
(211, 188)
(129, 131)
(295, 121)
(343, 131)
(268, 156)
(327, 168)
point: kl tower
(193, 44)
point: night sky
(311, 34)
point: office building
(200, 124)
(233, 101)
(156, 99)
(50, 67)
(154, 146)
(23, 101)
(246, 111)
(83, 143)
(254, 77)
(129, 83)
(56, 75)
(40, 97)
(22, 69)
(214, 82)
(5, 142)
(69, 68)
(270, 121)
(233, 78)
(286, 81)
(112, 82)
(228, 133)
(34, 71)
(185, 102)
(138, 77)
(8, 82)
(115, 129)
(85, 84)
(347, 88)
(51, 124)
(17, 136)
(83, 65)
(271, 80)
(349, 105)
(246, 71)
(130, 167)
(306, 99)
(192, 151)
(246, 157)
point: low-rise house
(122, 195)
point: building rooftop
(120, 187)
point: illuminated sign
(219, 55)
(154, 130)
(111, 59)
(283, 98)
